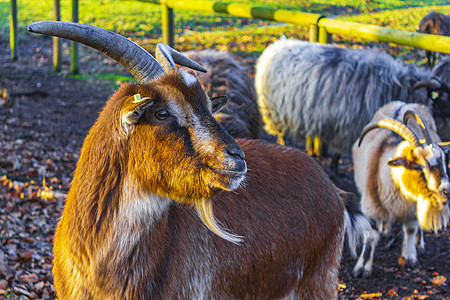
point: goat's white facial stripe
(178, 113)
(202, 137)
(188, 78)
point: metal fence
(320, 26)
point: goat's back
(442, 70)
(291, 218)
(308, 89)
(435, 23)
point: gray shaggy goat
(434, 23)
(309, 89)
(442, 70)
(226, 76)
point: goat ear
(218, 103)
(134, 108)
(403, 162)
(397, 162)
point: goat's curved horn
(397, 127)
(141, 64)
(412, 114)
(429, 83)
(168, 56)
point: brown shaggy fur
(107, 247)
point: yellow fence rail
(325, 25)
(320, 26)
(376, 33)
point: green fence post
(13, 30)
(74, 58)
(56, 40)
(167, 25)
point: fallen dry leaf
(30, 278)
(371, 295)
(392, 292)
(5, 270)
(27, 255)
(439, 280)
(401, 261)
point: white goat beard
(430, 217)
(205, 212)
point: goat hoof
(366, 274)
(357, 272)
(410, 263)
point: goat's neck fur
(388, 192)
(137, 210)
(114, 224)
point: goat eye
(445, 192)
(162, 114)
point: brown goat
(129, 230)
(434, 23)
(225, 76)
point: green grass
(140, 19)
(248, 37)
(114, 80)
(404, 19)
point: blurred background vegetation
(245, 37)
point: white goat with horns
(402, 179)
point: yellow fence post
(313, 33)
(315, 146)
(167, 25)
(313, 38)
(324, 37)
(13, 30)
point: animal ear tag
(138, 99)
(434, 95)
(132, 116)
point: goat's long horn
(429, 83)
(141, 64)
(397, 127)
(412, 114)
(168, 57)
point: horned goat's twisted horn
(141, 64)
(168, 56)
(397, 127)
(412, 114)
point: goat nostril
(236, 153)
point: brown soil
(43, 122)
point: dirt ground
(43, 121)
